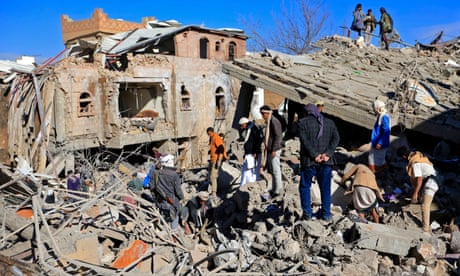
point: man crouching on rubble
(423, 179)
(166, 189)
(365, 189)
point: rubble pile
(111, 230)
(114, 231)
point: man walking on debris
(423, 179)
(166, 189)
(218, 154)
(386, 27)
(272, 150)
(380, 138)
(318, 139)
(250, 135)
(365, 190)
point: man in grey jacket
(166, 188)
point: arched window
(85, 105)
(217, 46)
(220, 103)
(232, 51)
(186, 104)
(204, 47)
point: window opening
(85, 105)
(185, 99)
(220, 103)
(204, 47)
(232, 51)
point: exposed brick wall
(188, 45)
(99, 23)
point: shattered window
(185, 99)
(86, 105)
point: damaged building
(158, 83)
(145, 85)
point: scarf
(416, 157)
(247, 131)
(313, 110)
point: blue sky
(33, 27)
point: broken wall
(168, 98)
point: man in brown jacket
(365, 189)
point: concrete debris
(112, 230)
(79, 123)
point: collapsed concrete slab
(386, 238)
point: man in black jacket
(250, 135)
(318, 139)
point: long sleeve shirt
(381, 131)
(311, 146)
(275, 135)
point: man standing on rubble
(386, 27)
(166, 188)
(358, 19)
(272, 151)
(380, 138)
(218, 154)
(250, 135)
(318, 139)
(423, 179)
(369, 26)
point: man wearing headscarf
(166, 188)
(318, 139)
(380, 138)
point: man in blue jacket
(380, 138)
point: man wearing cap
(380, 138)
(250, 135)
(217, 155)
(320, 105)
(166, 188)
(318, 139)
(272, 142)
